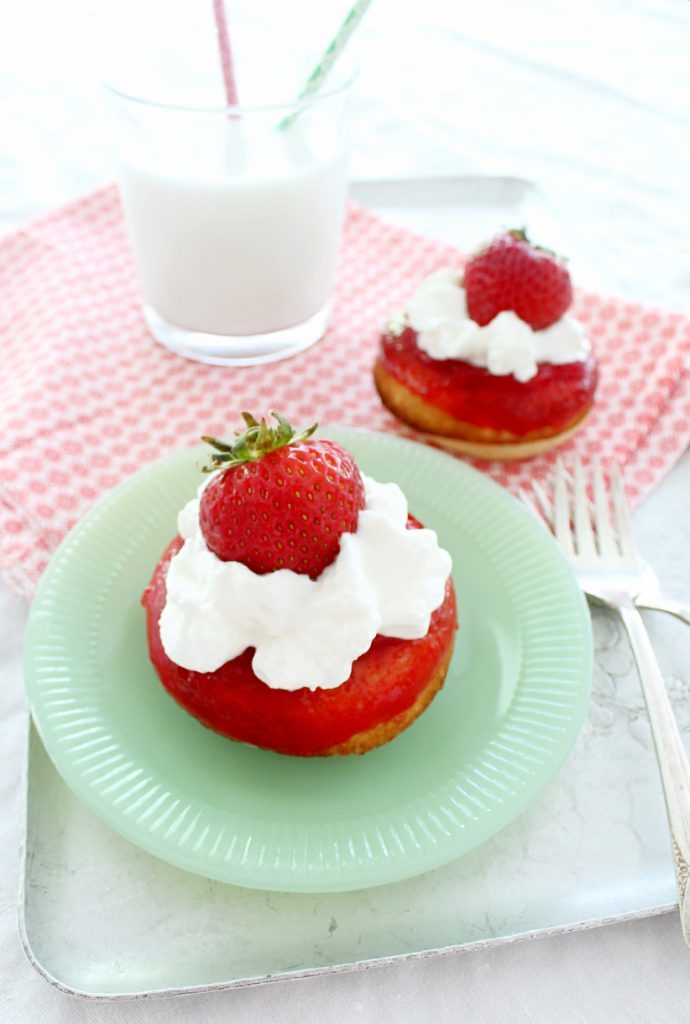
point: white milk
(235, 234)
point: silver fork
(652, 599)
(604, 558)
(650, 596)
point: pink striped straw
(225, 53)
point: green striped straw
(330, 56)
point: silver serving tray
(101, 918)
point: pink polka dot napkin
(87, 396)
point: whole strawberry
(511, 273)
(281, 501)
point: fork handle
(670, 753)
(665, 604)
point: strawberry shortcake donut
(489, 363)
(300, 608)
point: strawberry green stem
(521, 235)
(256, 441)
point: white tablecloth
(592, 101)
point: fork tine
(543, 502)
(622, 515)
(584, 536)
(527, 499)
(561, 512)
(602, 519)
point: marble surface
(591, 102)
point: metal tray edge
(342, 968)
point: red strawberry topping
(511, 273)
(281, 501)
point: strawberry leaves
(256, 441)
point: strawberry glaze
(384, 682)
(551, 399)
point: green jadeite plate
(511, 708)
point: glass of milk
(235, 217)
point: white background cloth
(592, 101)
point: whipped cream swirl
(507, 345)
(306, 633)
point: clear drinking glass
(235, 217)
